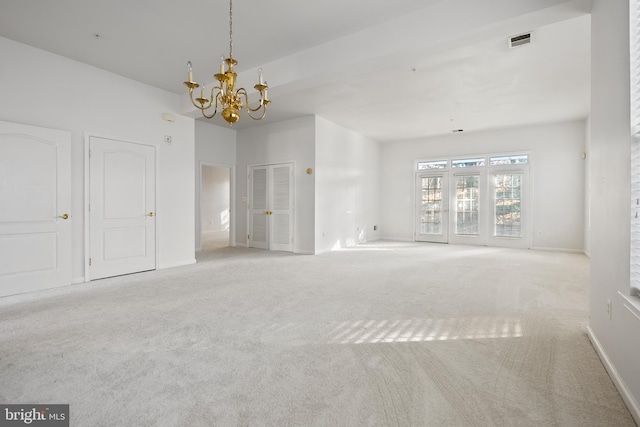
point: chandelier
(225, 96)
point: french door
(433, 207)
(35, 208)
(474, 206)
(122, 217)
(468, 219)
(509, 220)
(270, 213)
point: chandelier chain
(230, 28)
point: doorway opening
(215, 207)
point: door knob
(150, 214)
(64, 216)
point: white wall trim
(631, 303)
(632, 405)
(567, 250)
(305, 252)
(177, 264)
(397, 239)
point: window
(437, 164)
(509, 160)
(474, 199)
(467, 163)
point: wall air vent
(522, 39)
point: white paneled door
(271, 207)
(122, 217)
(35, 203)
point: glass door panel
(467, 206)
(433, 208)
(508, 200)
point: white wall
(286, 141)
(42, 89)
(215, 145)
(617, 338)
(557, 171)
(347, 187)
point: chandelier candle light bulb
(225, 95)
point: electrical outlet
(609, 308)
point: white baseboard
(304, 252)
(628, 398)
(177, 264)
(571, 251)
(396, 239)
(323, 251)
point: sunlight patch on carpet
(419, 330)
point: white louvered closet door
(281, 212)
(271, 207)
(258, 212)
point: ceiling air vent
(520, 40)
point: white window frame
(486, 201)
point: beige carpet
(213, 240)
(388, 334)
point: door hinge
(89, 261)
(89, 153)
(247, 237)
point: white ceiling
(390, 70)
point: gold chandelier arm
(207, 105)
(211, 103)
(243, 91)
(262, 105)
(199, 107)
(210, 116)
(264, 113)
